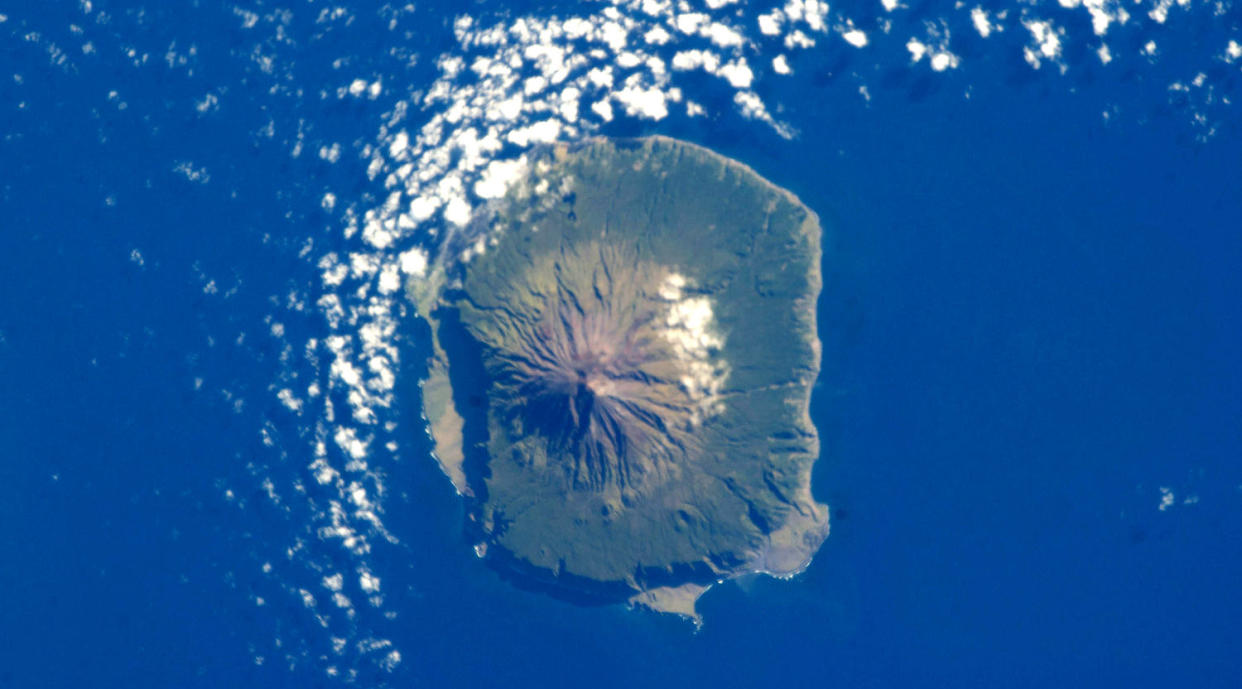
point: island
(623, 350)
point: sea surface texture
(216, 467)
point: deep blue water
(1031, 327)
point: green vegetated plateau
(621, 373)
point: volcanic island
(623, 349)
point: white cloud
(737, 73)
(333, 582)
(855, 38)
(939, 59)
(628, 60)
(657, 36)
(979, 17)
(497, 177)
(770, 23)
(1233, 51)
(457, 211)
(724, 36)
(604, 109)
(600, 77)
(413, 262)
(689, 22)
(389, 279)
(916, 48)
(1046, 38)
(614, 35)
(649, 103)
(797, 39)
(943, 60)
(1160, 11)
(696, 59)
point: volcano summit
(623, 354)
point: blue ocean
(216, 468)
